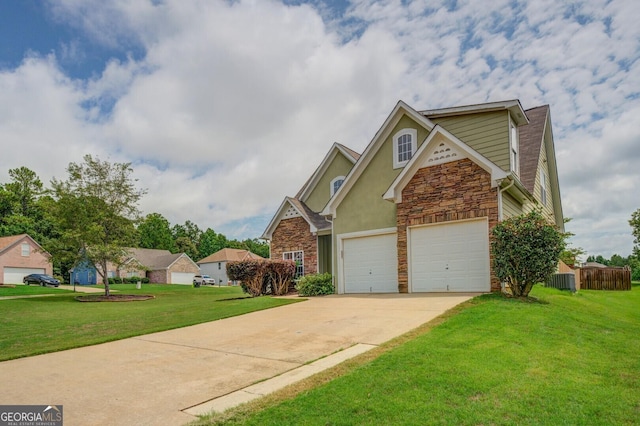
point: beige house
(21, 255)
(160, 266)
(215, 265)
(415, 210)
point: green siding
(363, 208)
(487, 133)
(510, 206)
(543, 164)
(320, 195)
(324, 254)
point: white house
(215, 265)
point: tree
(635, 226)
(96, 208)
(187, 238)
(211, 242)
(526, 250)
(155, 233)
(570, 255)
(25, 188)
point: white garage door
(182, 277)
(15, 275)
(450, 257)
(370, 264)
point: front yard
(573, 359)
(36, 325)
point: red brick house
(21, 255)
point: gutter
(500, 191)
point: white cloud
(232, 104)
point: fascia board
(381, 135)
(513, 106)
(552, 166)
(394, 193)
(322, 168)
(266, 235)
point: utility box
(563, 281)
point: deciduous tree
(96, 208)
(155, 233)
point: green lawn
(574, 360)
(28, 290)
(38, 325)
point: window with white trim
(405, 143)
(543, 187)
(298, 258)
(335, 184)
(514, 148)
(25, 249)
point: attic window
(25, 249)
(404, 146)
(335, 184)
(514, 148)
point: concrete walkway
(170, 377)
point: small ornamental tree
(526, 250)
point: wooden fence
(605, 278)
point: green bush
(315, 285)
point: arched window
(335, 184)
(405, 144)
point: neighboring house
(593, 265)
(83, 273)
(215, 265)
(160, 266)
(21, 255)
(414, 211)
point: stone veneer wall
(292, 235)
(442, 193)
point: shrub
(279, 274)
(315, 285)
(251, 273)
(526, 250)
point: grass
(571, 359)
(28, 290)
(37, 325)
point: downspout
(334, 260)
(500, 191)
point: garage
(15, 275)
(370, 264)
(182, 277)
(450, 257)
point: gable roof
(316, 221)
(229, 254)
(154, 259)
(7, 242)
(437, 135)
(530, 144)
(311, 183)
(381, 135)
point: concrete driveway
(169, 377)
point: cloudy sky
(225, 107)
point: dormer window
(514, 148)
(335, 184)
(404, 146)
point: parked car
(199, 280)
(41, 279)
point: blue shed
(84, 273)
